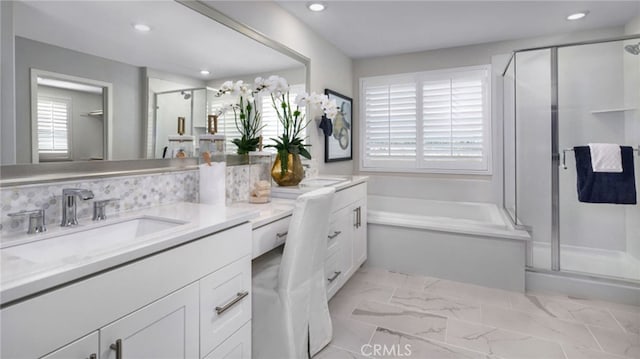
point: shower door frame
(555, 159)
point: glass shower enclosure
(190, 104)
(555, 98)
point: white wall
(452, 187)
(87, 132)
(127, 93)
(330, 68)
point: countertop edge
(45, 283)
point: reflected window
(53, 128)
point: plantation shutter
(390, 117)
(453, 117)
(53, 128)
(273, 127)
(436, 121)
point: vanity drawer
(349, 195)
(339, 228)
(225, 303)
(269, 236)
(335, 271)
(238, 346)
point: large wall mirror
(108, 80)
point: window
(53, 128)
(435, 121)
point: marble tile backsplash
(134, 192)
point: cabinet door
(167, 328)
(83, 348)
(359, 232)
(238, 346)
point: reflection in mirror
(155, 76)
(70, 118)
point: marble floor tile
(351, 334)
(584, 353)
(438, 304)
(630, 321)
(614, 342)
(415, 347)
(332, 352)
(503, 343)
(564, 309)
(412, 322)
(484, 295)
(391, 278)
(544, 327)
(354, 292)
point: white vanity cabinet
(348, 250)
(165, 305)
(167, 328)
(346, 239)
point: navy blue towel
(605, 187)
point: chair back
(306, 241)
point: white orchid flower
(302, 99)
(226, 86)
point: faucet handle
(36, 220)
(99, 208)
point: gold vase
(294, 173)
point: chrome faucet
(69, 217)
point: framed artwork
(338, 144)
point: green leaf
(304, 153)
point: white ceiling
(375, 28)
(182, 41)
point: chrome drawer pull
(224, 308)
(334, 235)
(283, 234)
(118, 348)
(335, 276)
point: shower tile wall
(590, 78)
(135, 192)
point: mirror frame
(22, 174)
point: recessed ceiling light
(577, 16)
(316, 6)
(204, 72)
(142, 27)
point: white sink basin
(322, 181)
(81, 242)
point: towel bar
(564, 155)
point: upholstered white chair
(290, 312)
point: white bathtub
(483, 219)
(464, 241)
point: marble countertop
(277, 209)
(294, 191)
(283, 202)
(33, 263)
